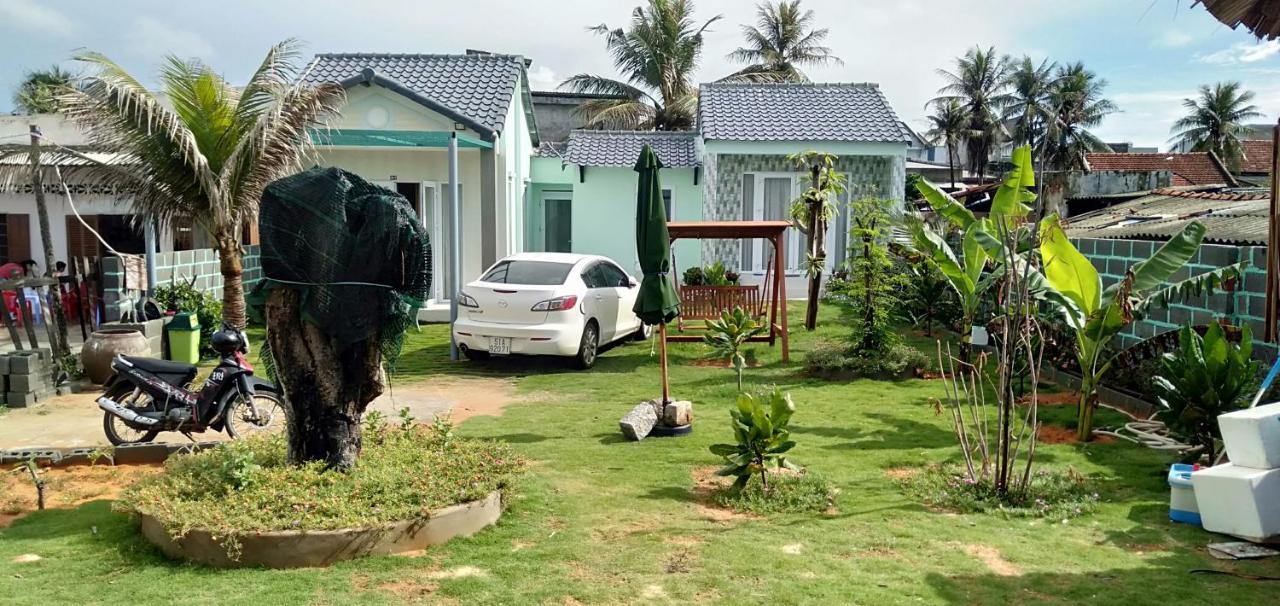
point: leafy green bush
(788, 493)
(715, 274)
(183, 296)
(729, 334)
(929, 299)
(1206, 376)
(1054, 495)
(761, 439)
(694, 276)
(838, 360)
(247, 486)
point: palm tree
(1028, 108)
(657, 55)
(782, 40)
(1076, 104)
(39, 90)
(1215, 121)
(948, 125)
(979, 83)
(208, 150)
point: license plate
(500, 345)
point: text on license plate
(499, 345)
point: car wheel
(642, 333)
(589, 347)
(475, 356)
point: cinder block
(21, 400)
(29, 383)
(25, 363)
(4, 365)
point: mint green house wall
(604, 213)
(546, 174)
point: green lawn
(599, 520)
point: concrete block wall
(173, 267)
(1245, 305)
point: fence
(1245, 305)
(171, 267)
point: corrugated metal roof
(621, 148)
(1229, 217)
(798, 112)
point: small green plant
(875, 286)
(790, 493)
(405, 418)
(929, 299)
(1206, 376)
(832, 359)
(717, 274)
(70, 366)
(694, 276)
(184, 296)
(729, 334)
(37, 480)
(374, 422)
(761, 437)
(1049, 494)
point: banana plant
(1096, 315)
(761, 438)
(964, 272)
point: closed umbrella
(657, 302)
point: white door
(772, 196)
(617, 281)
(437, 217)
(602, 300)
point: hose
(1146, 432)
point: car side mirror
(631, 283)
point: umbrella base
(663, 431)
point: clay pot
(103, 345)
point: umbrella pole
(662, 359)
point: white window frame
(796, 239)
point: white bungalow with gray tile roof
(583, 198)
(748, 130)
(401, 110)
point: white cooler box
(1239, 501)
(1252, 436)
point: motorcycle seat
(163, 367)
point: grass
(599, 520)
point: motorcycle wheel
(118, 432)
(266, 416)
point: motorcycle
(146, 396)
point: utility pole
(59, 334)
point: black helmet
(226, 342)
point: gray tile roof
(621, 148)
(798, 112)
(551, 149)
(476, 89)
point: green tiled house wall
(174, 266)
(1246, 305)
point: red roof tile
(1188, 169)
(1257, 157)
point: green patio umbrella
(657, 302)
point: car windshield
(540, 273)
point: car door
(625, 320)
(603, 298)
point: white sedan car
(554, 304)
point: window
(592, 276)
(668, 202)
(612, 277)
(532, 273)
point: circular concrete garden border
(301, 549)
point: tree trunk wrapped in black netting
(346, 266)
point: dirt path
(76, 421)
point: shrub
(183, 296)
(788, 493)
(1049, 494)
(760, 435)
(1206, 376)
(247, 485)
(718, 275)
(694, 277)
(929, 299)
(727, 335)
(837, 360)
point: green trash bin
(184, 338)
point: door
(617, 281)
(603, 301)
(557, 222)
(437, 217)
(17, 232)
(772, 194)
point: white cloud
(35, 19)
(1242, 52)
(542, 77)
(1174, 38)
(151, 37)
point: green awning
(393, 138)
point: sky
(1153, 53)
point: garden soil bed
(65, 487)
(308, 549)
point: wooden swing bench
(765, 302)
